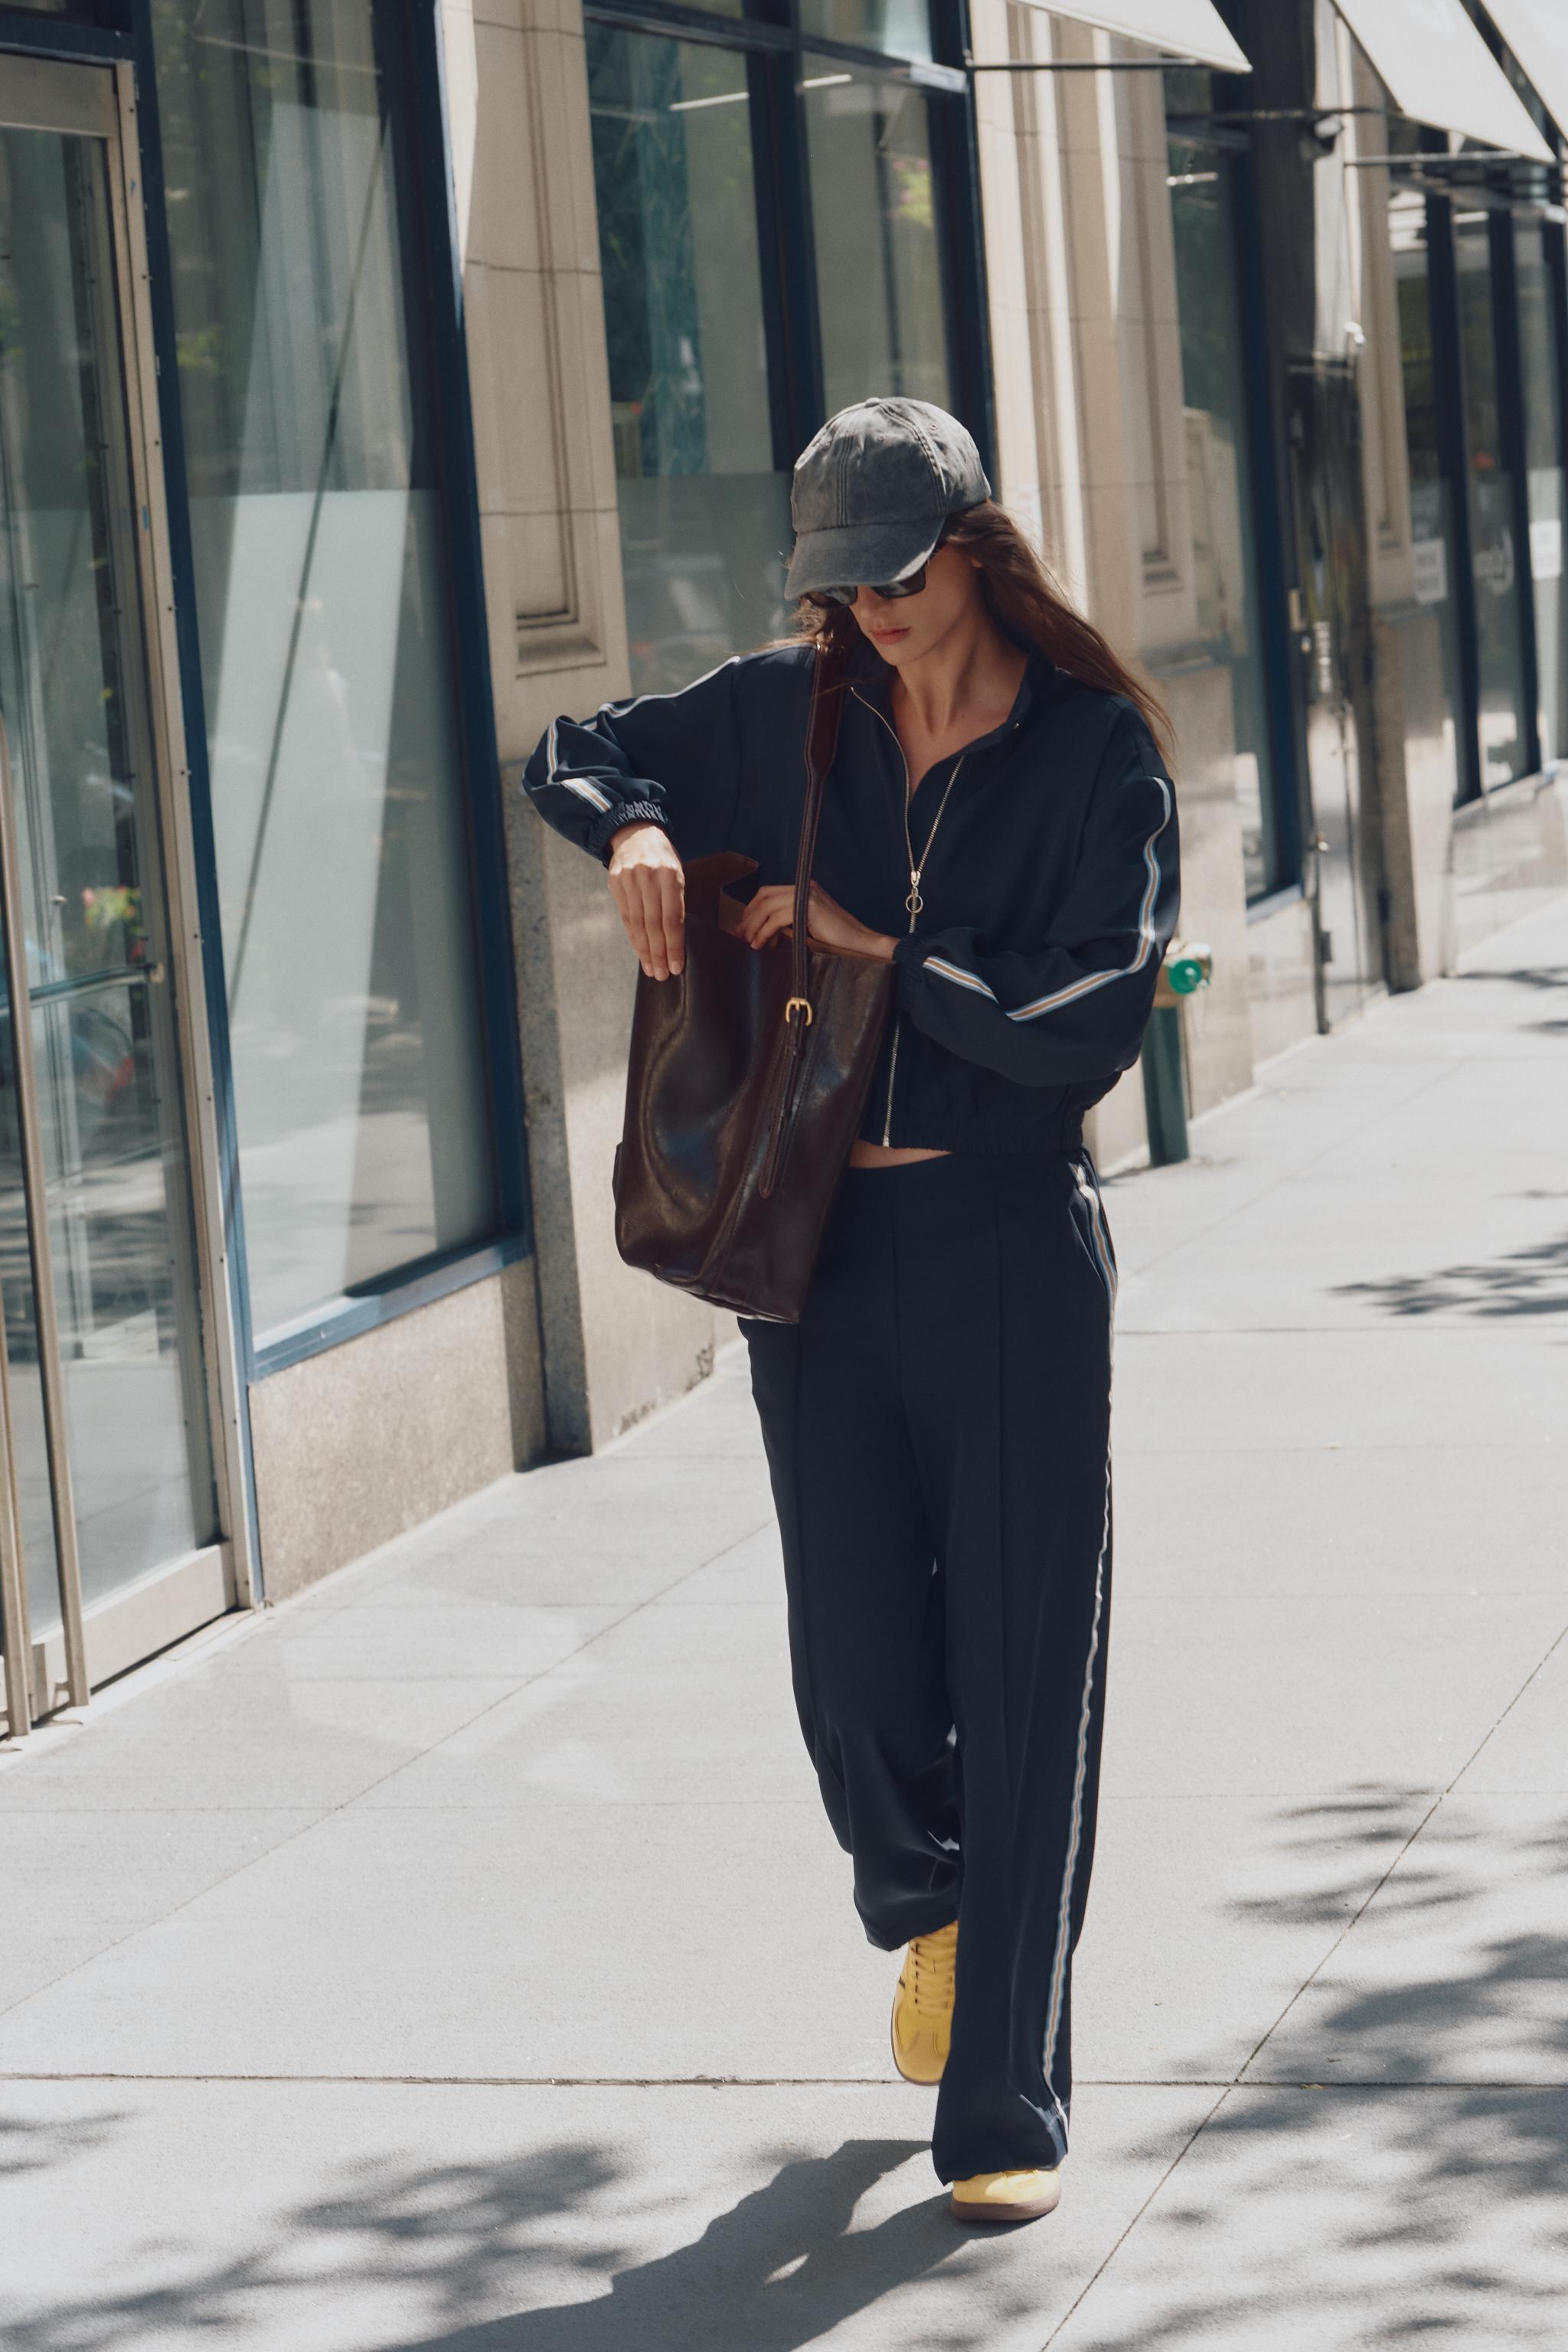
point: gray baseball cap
(873, 490)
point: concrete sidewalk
(460, 1957)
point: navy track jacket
(1049, 891)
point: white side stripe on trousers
(1075, 1829)
(1089, 1193)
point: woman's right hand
(647, 883)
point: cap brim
(860, 554)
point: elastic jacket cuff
(616, 820)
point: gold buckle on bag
(804, 1004)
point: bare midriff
(885, 1155)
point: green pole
(1164, 1086)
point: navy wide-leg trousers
(937, 1428)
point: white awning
(1439, 70)
(1180, 28)
(1537, 33)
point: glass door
(107, 1503)
(1497, 560)
(1342, 867)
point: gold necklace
(914, 903)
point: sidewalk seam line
(331, 1811)
(1438, 1800)
(1115, 2248)
(1490, 2085)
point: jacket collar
(871, 679)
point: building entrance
(110, 1511)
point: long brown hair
(1026, 604)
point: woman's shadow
(779, 2270)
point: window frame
(1448, 360)
(1264, 456)
(775, 45)
(410, 44)
(1262, 485)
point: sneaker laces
(933, 1961)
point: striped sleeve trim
(1148, 942)
(578, 784)
(584, 792)
(960, 979)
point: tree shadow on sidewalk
(1530, 976)
(780, 2270)
(1394, 2160)
(1532, 1281)
(448, 2245)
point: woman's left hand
(771, 910)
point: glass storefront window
(900, 27)
(1495, 560)
(1541, 371)
(86, 894)
(705, 528)
(711, 326)
(719, 165)
(879, 264)
(326, 655)
(1431, 516)
(1224, 553)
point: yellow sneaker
(922, 2006)
(1004, 2196)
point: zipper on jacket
(898, 1016)
(913, 902)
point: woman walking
(999, 825)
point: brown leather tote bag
(747, 1078)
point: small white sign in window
(1429, 558)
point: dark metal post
(1166, 1087)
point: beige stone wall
(355, 1446)
(1510, 857)
(1281, 992)
(615, 1345)
(1217, 1023)
(1092, 455)
(1417, 767)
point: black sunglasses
(910, 585)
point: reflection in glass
(1494, 556)
(1431, 513)
(900, 28)
(71, 693)
(705, 530)
(879, 264)
(1541, 366)
(1224, 559)
(326, 655)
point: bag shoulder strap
(829, 680)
